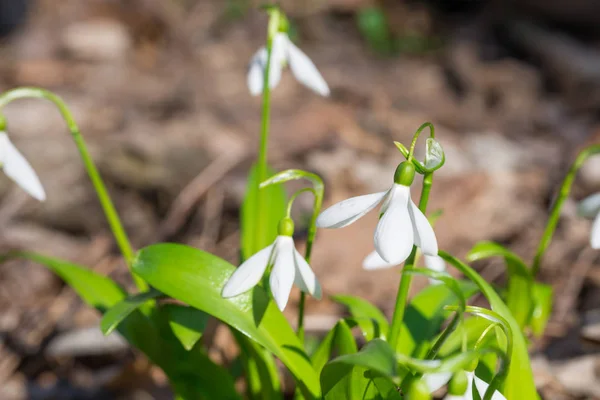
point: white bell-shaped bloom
(590, 208)
(436, 381)
(16, 167)
(284, 52)
(289, 267)
(401, 226)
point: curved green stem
(107, 205)
(565, 189)
(406, 278)
(416, 137)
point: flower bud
(286, 227)
(434, 154)
(418, 390)
(459, 384)
(405, 173)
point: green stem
(310, 239)
(406, 278)
(416, 137)
(565, 189)
(105, 200)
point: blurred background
(159, 90)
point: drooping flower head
(287, 267)
(402, 224)
(284, 53)
(16, 167)
(590, 208)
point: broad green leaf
(483, 250)
(542, 307)
(259, 224)
(262, 376)
(94, 289)
(197, 278)
(192, 374)
(361, 308)
(519, 383)
(113, 317)
(187, 323)
(377, 357)
(425, 315)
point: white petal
(482, 386)
(595, 237)
(256, 71)
(436, 381)
(305, 277)
(435, 263)
(305, 70)
(284, 271)
(590, 206)
(17, 168)
(374, 261)
(424, 234)
(278, 58)
(394, 236)
(347, 211)
(249, 273)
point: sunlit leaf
(542, 307)
(113, 317)
(361, 308)
(344, 377)
(187, 323)
(197, 278)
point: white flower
(436, 380)
(401, 225)
(17, 168)
(289, 267)
(284, 52)
(590, 207)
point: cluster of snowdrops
(434, 344)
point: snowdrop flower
(284, 52)
(289, 267)
(16, 167)
(590, 208)
(401, 225)
(435, 381)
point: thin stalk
(312, 231)
(565, 189)
(261, 168)
(107, 205)
(416, 137)
(406, 278)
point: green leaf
(187, 323)
(197, 278)
(519, 383)
(262, 376)
(542, 307)
(361, 308)
(259, 225)
(192, 374)
(344, 376)
(113, 317)
(339, 338)
(519, 296)
(425, 315)
(95, 290)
